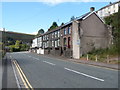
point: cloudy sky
(28, 16)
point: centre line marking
(36, 58)
(33, 57)
(84, 74)
(49, 63)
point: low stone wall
(67, 53)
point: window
(58, 42)
(65, 32)
(40, 39)
(43, 37)
(47, 43)
(65, 43)
(52, 43)
(53, 35)
(69, 42)
(58, 33)
(43, 44)
(55, 43)
(69, 30)
(47, 37)
(40, 44)
(113, 5)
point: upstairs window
(47, 37)
(65, 32)
(58, 33)
(43, 37)
(53, 35)
(40, 39)
(69, 30)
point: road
(46, 72)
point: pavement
(89, 62)
(8, 77)
(0, 74)
(50, 72)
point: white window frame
(53, 35)
(65, 32)
(52, 43)
(69, 30)
(58, 33)
(58, 42)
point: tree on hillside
(17, 44)
(114, 21)
(53, 26)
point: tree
(17, 45)
(72, 18)
(62, 23)
(114, 21)
(53, 26)
(41, 31)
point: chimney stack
(92, 9)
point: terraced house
(75, 38)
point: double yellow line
(23, 77)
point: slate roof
(70, 22)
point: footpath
(0, 74)
(89, 62)
(7, 75)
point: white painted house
(34, 44)
(109, 9)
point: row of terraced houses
(75, 38)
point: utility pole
(4, 38)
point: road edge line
(24, 76)
(17, 81)
(20, 75)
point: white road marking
(33, 57)
(49, 63)
(28, 56)
(36, 58)
(84, 74)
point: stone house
(108, 9)
(76, 37)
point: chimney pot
(92, 9)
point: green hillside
(10, 37)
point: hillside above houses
(10, 37)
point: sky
(29, 17)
